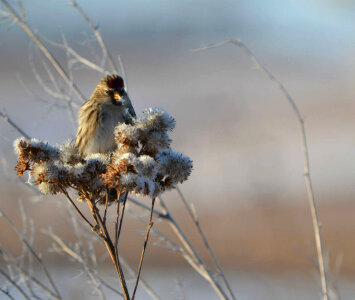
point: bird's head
(111, 90)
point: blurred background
(247, 183)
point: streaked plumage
(108, 105)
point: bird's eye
(107, 91)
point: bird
(108, 105)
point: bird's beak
(116, 96)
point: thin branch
(109, 246)
(124, 200)
(116, 224)
(106, 205)
(196, 220)
(73, 254)
(44, 50)
(97, 35)
(123, 71)
(196, 262)
(13, 125)
(68, 98)
(191, 256)
(10, 260)
(76, 55)
(76, 208)
(307, 175)
(7, 294)
(150, 224)
(145, 285)
(142, 205)
(15, 285)
(33, 252)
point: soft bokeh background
(242, 135)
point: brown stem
(76, 208)
(123, 210)
(150, 224)
(116, 262)
(110, 247)
(106, 205)
(116, 224)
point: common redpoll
(108, 105)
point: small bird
(108, 105)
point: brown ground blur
(273, 237)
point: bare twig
(150, 224)
(124, 201)
(14, 125)
(109, 246)
(12, 261)
(123, 71)
(73, 254)
(194, 217)
(97, 34)
(33, 252)
(146, 207)
(193, 258)
(76, 208)
(307, 175)
(84, 61)
(44, 50)
(7, 294)
(21, 291)
(144, 284)
(117, 223)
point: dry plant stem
(24, 273)
(21, 291)
(115, 259)
(8, 120)
(106, 238)
(97, 35)
(33, 252)
(116, 225)
(72, 253)
(143, 283)
(76, 208)
(307, 175)
(123, 71)
(7, 294)
(196, 262)
(142, 205)
(76, 55)
(110, 248)
(150, 224)
(194, 217)
(124, 201)
(44, 50)
(106, 204)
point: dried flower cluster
(143, 162)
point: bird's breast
(104, 139)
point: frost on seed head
(142, 163)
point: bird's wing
(88, 122)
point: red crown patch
(115, 82)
